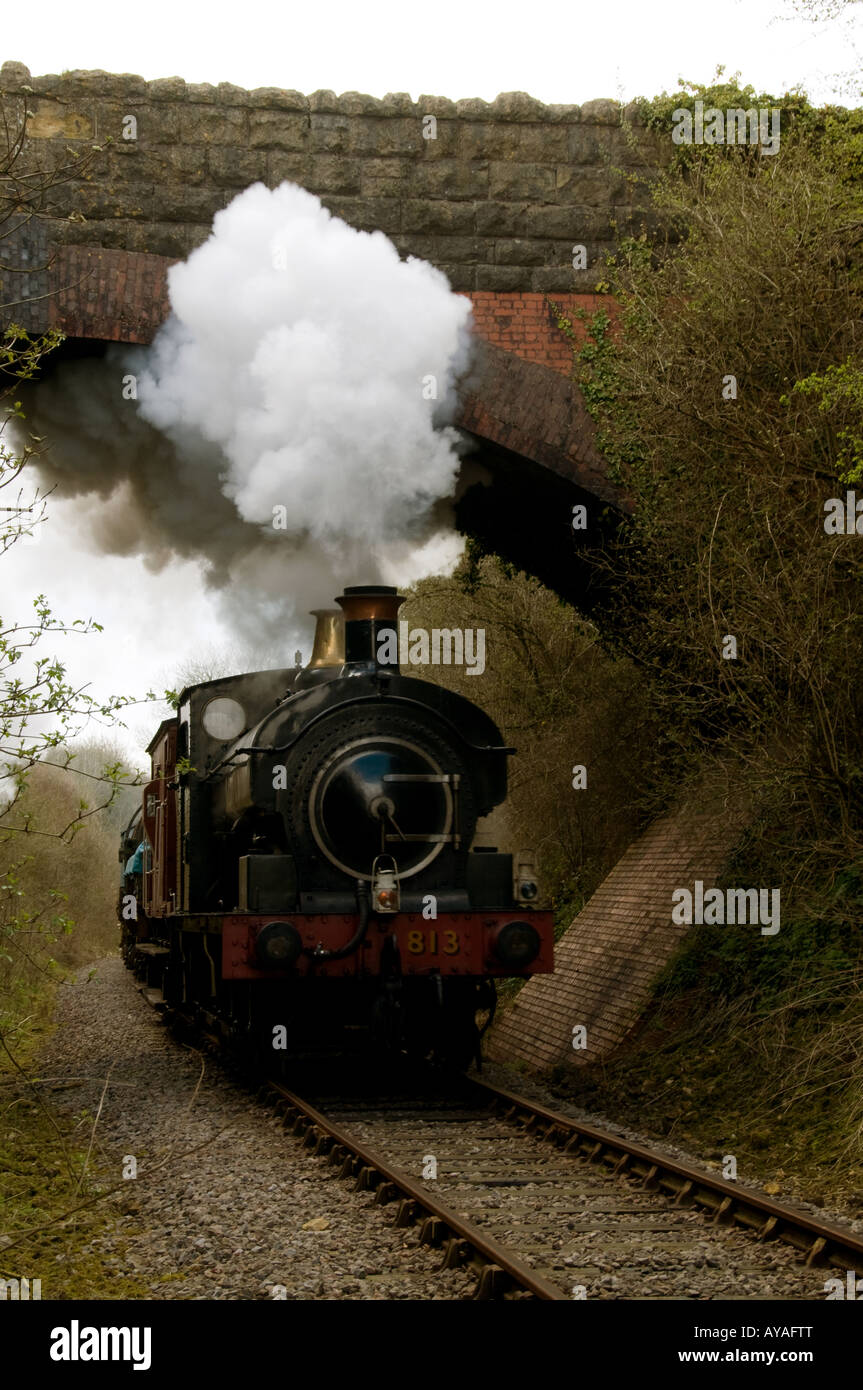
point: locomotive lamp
(526, 888)
(385, 886)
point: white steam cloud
(314, 358)
(305, 377)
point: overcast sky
(557, 50)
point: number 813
(419, 943)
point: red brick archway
(523, 415)
(519, 397)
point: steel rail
(727, 1201)
(500, 1272)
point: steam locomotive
(306, 860)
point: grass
(50, 1216)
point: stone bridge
(515, 201)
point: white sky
(557, 50)
(147, 626)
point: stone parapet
(497, 194)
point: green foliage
(597, 371)
(42, 690)
(759, 1040)
(728, 489)
(838, 393)
(759, 281)
(728, 962)
(834, 132)
(21, 355)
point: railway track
(500, 1272)
(543, 1206)
(546, 1207)
(820, 1243)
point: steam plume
(304, 375)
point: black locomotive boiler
(306, 858)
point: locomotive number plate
(434, 943)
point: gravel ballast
(223, 1195)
